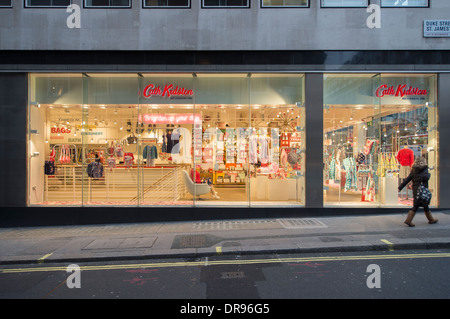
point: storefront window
(55, 172)
(278, 119)
(109, 145)
(370, 122)
(145, 139)
(168, 129)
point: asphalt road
(367, 275)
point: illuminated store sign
(401, 90)
(170, 118)
(168, 91)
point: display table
(263, 188)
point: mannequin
(405, 157)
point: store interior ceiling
(338, 116)
(219, 115)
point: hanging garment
(337, 168)
(283, 158)
(169, 143)
(381, 166)
(253, 149)
(150, 153)
(145, 151)
(264, 149)
(153, 152)
(368, 147)
(350, 178)
(175, 141)
(164, 146)
(394, 163)
(369, 195)
(332, 166)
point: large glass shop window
(375, 126)
(277, 140)
(166, 139)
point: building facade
(165, 110)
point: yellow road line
(40, 260)
(229, 262)
(390, 245)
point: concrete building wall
(255, 28)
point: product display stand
(389, 193)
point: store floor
(231, 196)
(225, 194)
(334, 196)
(228, 196)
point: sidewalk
(75, 244)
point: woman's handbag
(423, 194)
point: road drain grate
(298, 223)
(192, 241)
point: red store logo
(401, 90)
(168, 91)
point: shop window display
(374, 127)
(131, 139)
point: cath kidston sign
(401, 90)
(169, 91)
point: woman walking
(419, 175)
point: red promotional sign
(401, 90)
(59, 130)
(168, 91)
(170, 118)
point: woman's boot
(430, 218)
(409, 218)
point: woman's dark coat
(419, 174)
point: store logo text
(400, 90)
(168, 91)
